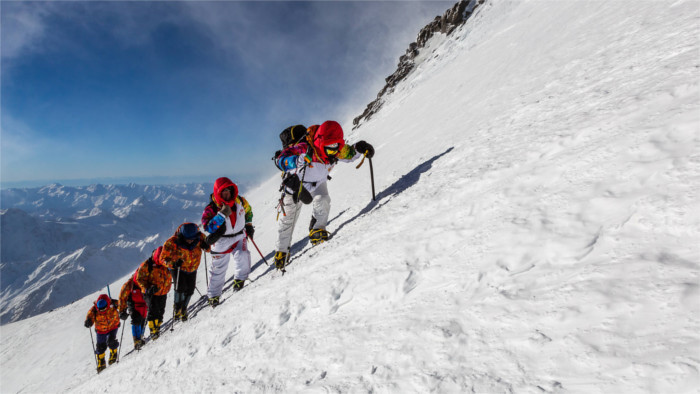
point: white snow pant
(321, 208)
(219, 266)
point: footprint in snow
(339, 286)
(285, 315)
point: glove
(249, 229)
(225, 210)
(292, 183)
(152, 290)
(88, 323)
(124, 315)
(365, 148)
(178, 264)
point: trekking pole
(119, 352)
(144, 324)
(94, 353)
(172, 326)
(108, 293)
(296, 216)
(371, 174)
(206, 270)
(258, 249)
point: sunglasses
(332, 150)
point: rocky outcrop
(445, 24)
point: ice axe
(371, 173)
(296, 216)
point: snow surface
(535, 230)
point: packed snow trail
(535, 230)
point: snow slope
(536, 230)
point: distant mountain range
(59, 243)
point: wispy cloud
(130, 83)
(23, 28)
(319, 58)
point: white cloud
(22, 28)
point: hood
(156, 255)
(312, 130)
(103, 297)
(221, 184)
(187, 231)
(328, 133)
(188, 226)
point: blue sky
(160, 92)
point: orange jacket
(104, 320)
(152, 272)
(174, 250)
(124, 294)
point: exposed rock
(445, 24)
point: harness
(233, 235)
(313, 184)
(230, 249)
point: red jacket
(130, 291)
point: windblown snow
(535, 229)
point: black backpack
(292, 135)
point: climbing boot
(214, 301)
(154, 325)
(318, 235)
(238, 284)
(176, 312)
(112, 356)
(280, 258)
(101, 364)
(138, 343)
